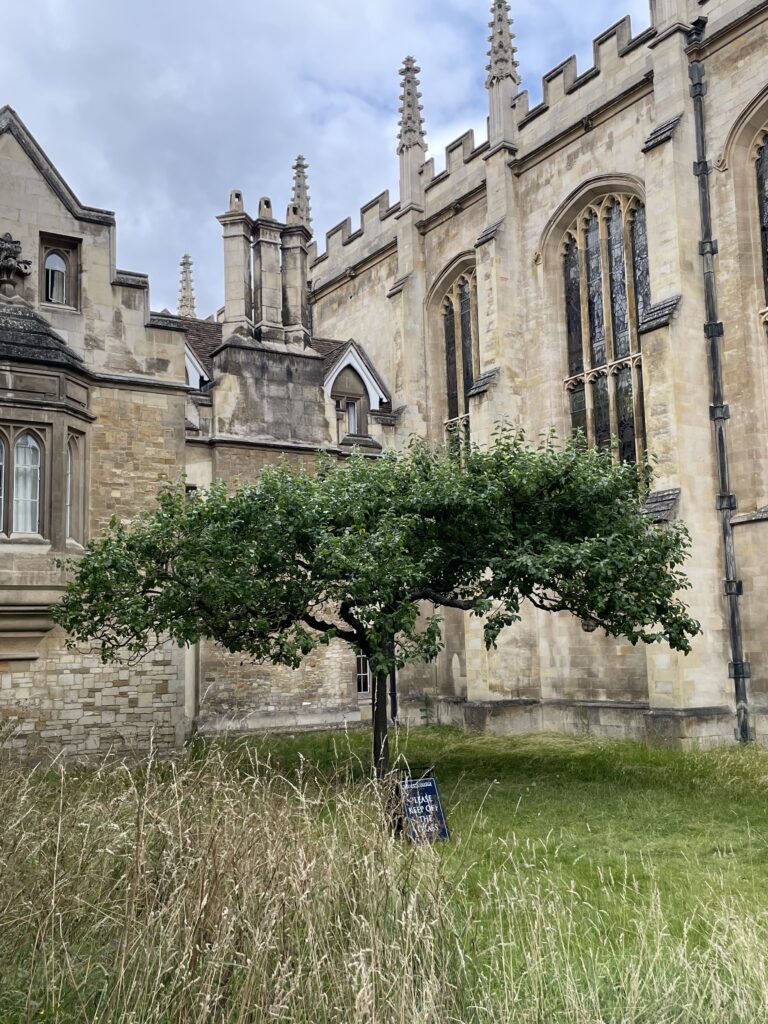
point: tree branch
(426, 594)
(328, 627)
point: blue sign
(425, 821)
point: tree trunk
(380, 738)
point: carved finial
(300, 211)
(411, 122)
(186, 290)
(502, 52)
(12, 267)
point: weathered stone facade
(598, 261)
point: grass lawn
(585, 882)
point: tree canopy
(358, 550)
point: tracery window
(462, 352)
(762, 198)
(607, 293)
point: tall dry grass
(218, 890)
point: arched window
(762, 198)
(351, 398)
(607, 292)
(462, 355)
(27, 461)
(56, 279)
(73, 523)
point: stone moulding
(489, 233)
(659, 315)
(661, 134)
(485, 382)
(11, 122)
(130, 279)
(22, 627)
(662, 506)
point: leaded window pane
(465, 306)
(625, 415)
(762, 194)
(26, 485)
(595, 292)
(573, 308)
(449, 325)
(578, 398)
(640, 425)
(619, 310)
(640, 264)
(601, 411)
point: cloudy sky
(157, 108)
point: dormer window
(59, 272)
(351, 398)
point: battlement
(619, 60)
(376, 229)
(622, 62)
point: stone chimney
(238, 281)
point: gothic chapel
(598, 262)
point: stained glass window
(462, 357)
(609, 246)
(762, 195)
(625, 414)
(619, 310)
(578, 398)
(602, 411)
(449, 324)
(465, 306)
(640, 264)
(595, 292)
(573, 308)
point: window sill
(75, 546)
(25, 540)
(54, 307)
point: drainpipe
(739, 669)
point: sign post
(423, 811)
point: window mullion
(605, 281)
(586, 338)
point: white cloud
(158, 108)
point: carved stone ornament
(502, 52)
(763, 314)
(411, 121)
(12, 267)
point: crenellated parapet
(573, 103)
(620, 61)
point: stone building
(599, 261)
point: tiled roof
(328, 349)
(203, 337)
